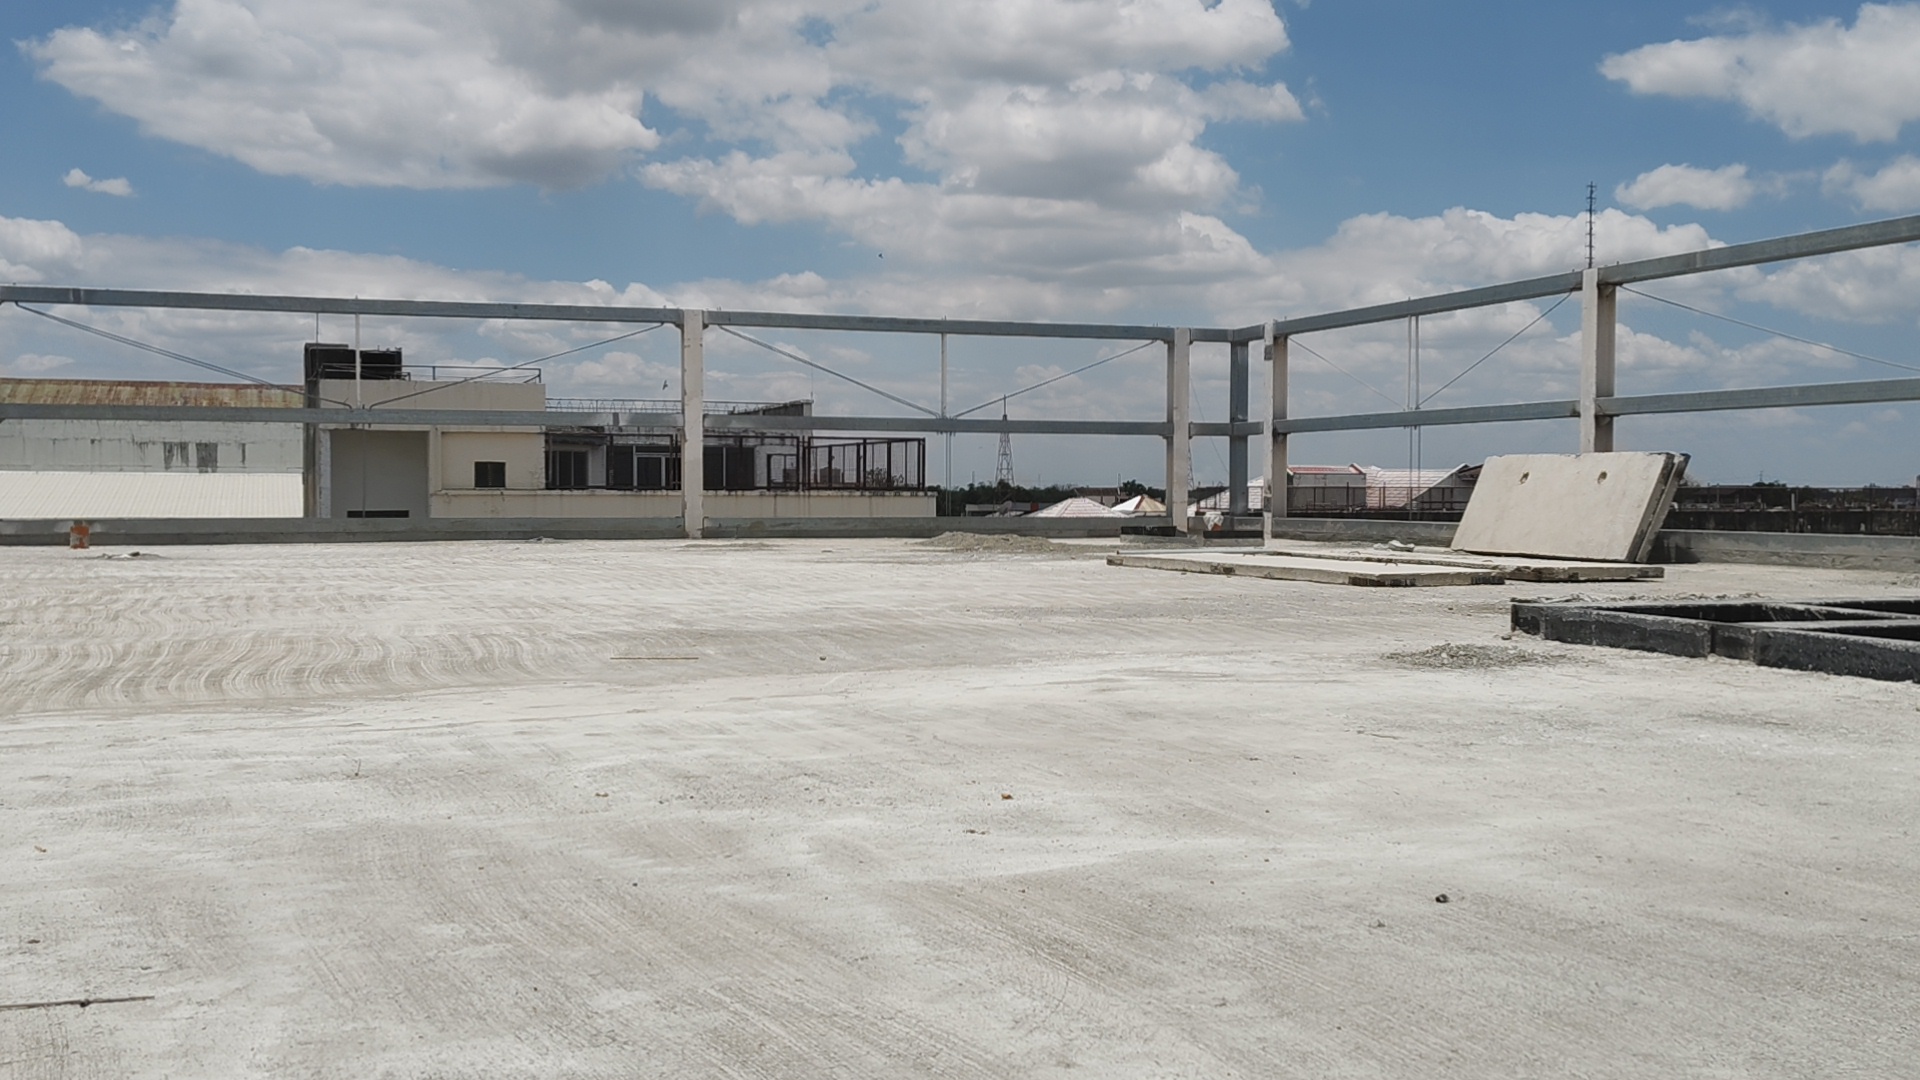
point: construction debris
(1874, 638)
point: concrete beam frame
(1595, 408)
(1598, 403)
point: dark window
(566, 468)
(206, 456)
(656, 472)
(729, 468)
(489, 474)
(175, 454)
(783, 470)
(620, 468)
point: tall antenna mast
(1590, 190)
(1003, 469)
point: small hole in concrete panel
(1601, 479)
(1523, 477)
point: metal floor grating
(1874, 638)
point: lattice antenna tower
(1590, 204)
(1003, 469)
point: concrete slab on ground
(1366, 567)
(1512, 569)
(1326, 571)
(1570, 506)
(355, 810)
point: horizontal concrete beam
(1901, 230)
(333, 415)
(1773, 397)
(964, 327)
(1226, 430)
(587, 313)
(1530, 289)
(334, 305)
(1471, 414)
(936, 425)
(637, 421)
(1769, 397)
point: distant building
(54, 469)
(139, 468)
(1358, 489)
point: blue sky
(1133, 160)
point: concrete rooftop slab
(397, 810)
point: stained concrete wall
(449, 503)
(523, 451)
(1897, 553)
(127, 446)
(136, 533)
(496, 503)
(818, 504)
(479, 394)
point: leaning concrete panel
(1570, 506)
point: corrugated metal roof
(1076, 507)
(39, 496)
(1389, 489)
(129, 392)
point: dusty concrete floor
(400, 810)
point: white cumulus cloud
(1822, 78)
(119, 185)
(353, 92)
(1031, 137)
(1895, 187)
(1725, 188)
(32, 251)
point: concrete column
(1276, 441)
(947, 454)
(1180, 442)
(310, 462)
(436, 471)
(322, 472)
(693, 422)
(1237, 413)
(1597, 325)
